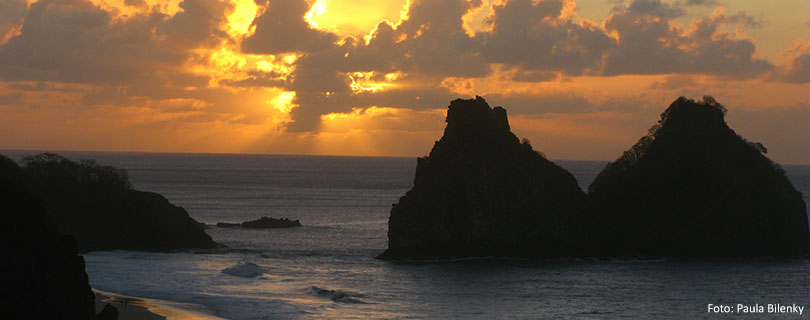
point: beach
(136, 308)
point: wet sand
(135, 308)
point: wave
(245, 270)
(335, 295)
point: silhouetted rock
(482, 192)
(42, 275)
(694, 187)
(108, 313)
(97, 206)
(263, 223)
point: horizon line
(295, 154)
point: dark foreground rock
(108, 313)
(481, 192)
(694, 187)
(96, 205)
(43, 276)
(263, 223)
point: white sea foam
(245, 270)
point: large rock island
(97, 205)
(694, 187)
(481, 192)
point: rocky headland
(97, 206)
(42, 273)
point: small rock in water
(263, 223)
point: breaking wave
(335, 295)
(245, 270)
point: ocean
(326, 269)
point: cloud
(430, 45)
(798, 70)
(742, 18)
(540, 41)
(650, 44)
(654, 8)
(282, 29)
(190, 63)
(541, 36)
(701, 2)
(12, 11)
(198, 23)
(76, 41)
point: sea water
(326, 269)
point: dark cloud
(701, 2)
(437, 43)
(649, 44)
(535, 36)
(75, 41)
(198, 23)
(800, 73)
(655, 8)
(741, 18)
(282, 29)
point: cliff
(42, 274)
(96, 205)
(694, 187)
(481, 192)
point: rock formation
(263, 223)
(108, 313)
(43, 276)
(481, 192)
(96, 205)
(695, 187)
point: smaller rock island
(694, 187)
(262, 223)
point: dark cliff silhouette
(42, 274)
(262, 223)
(97, 206)
(695, 187)
(482, 192)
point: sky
(580, 79)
